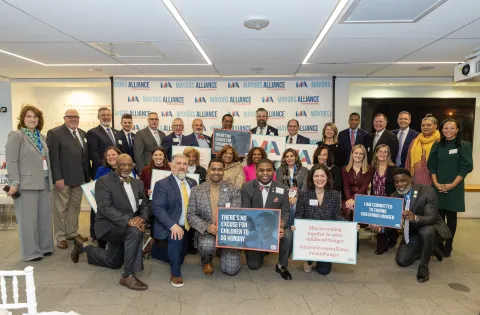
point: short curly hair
(225, 149)
(250, 154)
(23, 113)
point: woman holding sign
(158, 161)
(382, 185)
(233, 172)
(319, 202)
(292, 174)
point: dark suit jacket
(98, 142)
(68, 161)
(191, 140)
(123, 143)
(344, 139)
(167, 205)
(300, 139)
(252, 198)
(144, 145)
(387, 138)
(411, 135)
(270, 131)
(425, 207)
(113, 205)
(200, 170)
(168, 142)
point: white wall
(5, 118)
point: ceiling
(59, 36)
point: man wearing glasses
(175, 138)
(70, 168)
(146, 140)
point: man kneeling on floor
(202, 216)
(423, 227)
(122, 211)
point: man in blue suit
(169, 207)
(353, 135)
(262, 127)
(126, 138)
(405, 136)
(293, 136)
(197, 138)
(175, 138)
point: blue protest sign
(383, 211)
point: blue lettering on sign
(152, 99)
(309, 128)
(287, 99)
(274, 85)
(185, 85)
(219, 99)
(120, 84)
(276, 113)
(252, 85)
(311, 99)
(242, 127)
(249, 114)
(241, 99)
(206, 85)
(321, 84)
(173, 99)
(144, 85)
(320, 113)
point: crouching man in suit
(423, 227)
(122, 211)
(202, 216)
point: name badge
(175, 140)
(279, 190)
(292, 192)
(227, 205)
(45, 164)
(85, 140)
(453, 151)
(119, 141)
(313, 202)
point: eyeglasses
(153, 119)
(72, 117)
(177, 126)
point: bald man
(197, 138)
(70, 168)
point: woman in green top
(449, 163)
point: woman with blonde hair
(330, 139)
(194, 164)
(233, 172)
(419, 151)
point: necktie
(400, 146)
(129, 141)
(179, 140)
(406, 225)
(291, 140)
(111, 136)
(377, 136)
(201, 137)
(264, 187)
(125, 180)
(185, 202)
(157, 137)
(352, 138)
(77, 140)
(261, 130)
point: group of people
(427, 169)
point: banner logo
(166, 113)
(232, 85)
(165, 85)
(133, 99)
(3, 166)
(301, 84)
(234, 113)
(304, 156)
(268, 146)
(200, 99)
(267, 99)
(301, 113)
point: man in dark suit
(169, 207)
(146, 140)
(126, 138)
(122, 210)
(405, 136)
(293, 136)
(381, 136)
(423, 227)
(262, 127)
(353, 135)
(264, 192)
(197, 138)
(175, 138)
(100, 138)
(70, 168)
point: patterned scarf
(286, 177)
(421, 147)
(36, 138)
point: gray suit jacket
(25, 162)
(252, 198)
(113, 205)
(143, 147)
(69, 161)
(424, 206)
(199, 213)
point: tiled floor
(374, 286)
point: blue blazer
(300, 139)
(270, 131)
(103, 170)
(124, 143)
(411, 135)
(344, 138)
(191, 140)
(167, 205)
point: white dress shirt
(78, 136)
(294, 139)
(156, 136)
(131, 196)
(265, 192)
(264, 130)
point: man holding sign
(423, 227)
(263, 192)
(202, 216)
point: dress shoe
(177, 282)
(47, 254)
(36, 259)
(133, 283)
(208, 270)
(62, 244)
(438, 253)
(283, 272)
(446, 252)
(77, 248)
(423, 274)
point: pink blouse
(251, 174)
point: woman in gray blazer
(28, 166)
(292, 174)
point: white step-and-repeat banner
(308, 101)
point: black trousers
(387, 239)
(420, 246)
(124, 248)
(451, 220)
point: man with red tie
(293, 137)
(353, 135)
(197, 138)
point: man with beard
(169, 207)
(262, 127)
(202, 216)
(423, 227)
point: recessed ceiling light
(257, 69)
(256, 22)
(426, 68)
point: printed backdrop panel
(308, 101)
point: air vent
(132, 49)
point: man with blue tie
(405, 136)
(353, 135)
(293, 137)
(125, 137)
(197, 138)
(175, 138)
(169, 207)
